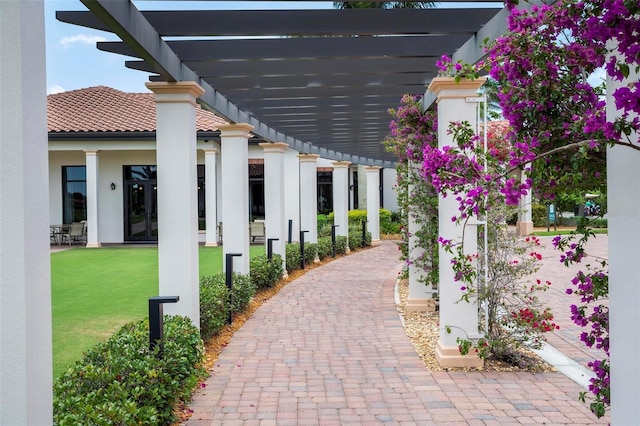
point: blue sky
(74, 62)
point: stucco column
(91, 161)
(274, 206)
(525, 221)
(234, 140)
(178, 263)
(26, 373)
(420, 296)
(309, 196)
(460, 317)
(623, 212)
(373, 203)
(341, 198)
(211, 200)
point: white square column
(234, 140)
(461, 317)
(309, 196)
(373, 203)
(210, 195)
(623, 211)
(91, 161)
(26, 371)
(525, 221)
(420, 295)
(341, 198)
(275, 221)
(178, 263)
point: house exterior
(106, 136)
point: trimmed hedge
(122, 382)
(214, 304)
(265, 273)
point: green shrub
(243, 290)
(390, 228)
(265, 273)
(323, 220)
(341, 244)
(600, 223)
(292, 253)
(325, 230)
(123, 382)
(539, 215)
(325, 247)
(310, 253)
(355, 237)
(385, 217)
(357, 216)
(214, 304)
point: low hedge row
(323, 249)
(123, 382)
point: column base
(93, 245)
(451, 357)
(375, 243)
(347, 250)
(211, 244)
(421, 305)
(316, 259)
(525, 228)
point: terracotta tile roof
(103, 109)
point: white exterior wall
(111, 222)
(389, 193)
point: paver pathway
(329, 349)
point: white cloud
(52, 90)
(80, 38)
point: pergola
(321, 81)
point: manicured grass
(563, 232)
(96, 291)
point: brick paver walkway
(329, 349)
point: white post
(459, 317)
(234, 139)
(91, 160)
(309, 197)
(373, 203)
(211, 201)
(420, 297)
(623, 211)
(525, 222)
(341, 198)
(275, 221)
(26, 372)
(178, 263)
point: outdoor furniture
(57, 232)
(75, 233)
(256, 229)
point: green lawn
(95, 291)
(564, 232)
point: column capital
(91, 151)
(341, 164)
(372, 169)
(178, 91)
(276, 147)
(235, 129)
(210, 150)
(447, 87)
(308, 158)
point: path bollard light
(333, 238)
(290, 230)
(270, 247)
(364, 233)
(302, 249)
(229, 281)
(156, 320)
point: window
(74, 194)
(202, 224)
(325, 192)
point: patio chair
(75, 233)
